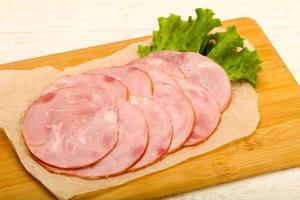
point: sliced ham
(117, 88)
(158, 63)
(207, 113)
(137, 81)
(160, 131)
(180, 111)
(71, 127)
(156, 75)
(168, 93)
(175, 58)
(133, 129)
(201, 70)
(131, 145)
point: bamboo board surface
(274, 146)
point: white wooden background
(30, 28)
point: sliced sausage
(207, 113)
(201, 70)
(180, 111)
(131, 145)
(137, 81)
(71, 127)
(117, 88)
(159, 63)
(160, 131)
(175, 58)
(156, 75)
(168, 93)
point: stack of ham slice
(119, 119)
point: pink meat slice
(160, 131)
(131, 145)
(117, 88)
(156, 75)
(201, 70)
(132, 125)
(71, 127)
(169, 94)
(180, 111)
(159, 63)
(207, 113)
(137, 81)
(174, 58)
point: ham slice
(201, 70)
(156, 75)
(131, 145)
(117, 88)
(160, 131)
(133, 129)
(137, 81)
(71, 127)
(158, 63)
(180, 111)
(168, 93)
(207, 113)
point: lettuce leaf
(238, 61)
(225, 48)
(177, 34)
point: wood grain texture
(274, 146)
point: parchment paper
(19, 88)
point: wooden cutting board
(274, 146)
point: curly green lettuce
(238, 61)
(177, 34)
(225, 48)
